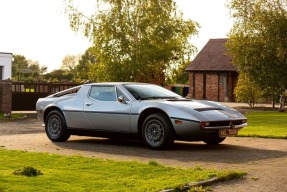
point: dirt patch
(264, 160)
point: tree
(258, 42)
(59, 75)
(35, 70)
(135, 40)
(70, 62)
(247, 91)
(178, 75)
(19, 62)
(87, 67)
(25, 69)
(68, 66)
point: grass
(75, 173)
(13, 116)
(266, 125)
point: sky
(39, 29)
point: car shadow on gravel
(180, 151)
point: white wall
(6, 62)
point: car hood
(202, 110)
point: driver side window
(103, 93)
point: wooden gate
(25, 95)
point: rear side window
(103, 93)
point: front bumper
(194, 131)
(40, 115)
(231, 126)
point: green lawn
(75, 173)
(13, 116)
(266, 125)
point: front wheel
(55, 126)
(157, 131)
(214, 141)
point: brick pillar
(5, 96)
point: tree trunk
(282, 102)
(273, 98)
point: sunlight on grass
(266, 124)
(75, 173)
(13, 115)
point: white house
(5, 65)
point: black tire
(55, 127)
(157, 131)
(214, 141)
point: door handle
(88, 104)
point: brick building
(212, 76)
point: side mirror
(122, 100)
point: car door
(104, 111)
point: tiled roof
(212, 57)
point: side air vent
(207, 109)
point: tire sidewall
(62, 135)
(168, 138)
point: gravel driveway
(265, 160)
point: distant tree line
(25, 69)
(75, 68)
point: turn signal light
(178, 122)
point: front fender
(140, 110)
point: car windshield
(149, 91)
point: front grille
(224, 123)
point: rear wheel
(55, 126)
(214, 141)
(157, 131)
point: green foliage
(247, 90)
(154, 163)
(135, 40)
(178, 75)
(258, 41)
(13, 116)
(87, 67)
(70, 62)
(75, 173)
(59, 75)
(19, 62)
(266, 125)
(28, 171)
(26, 70)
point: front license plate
(228, 132)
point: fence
(25, 95)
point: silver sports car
(136, 110)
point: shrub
(28, 171)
